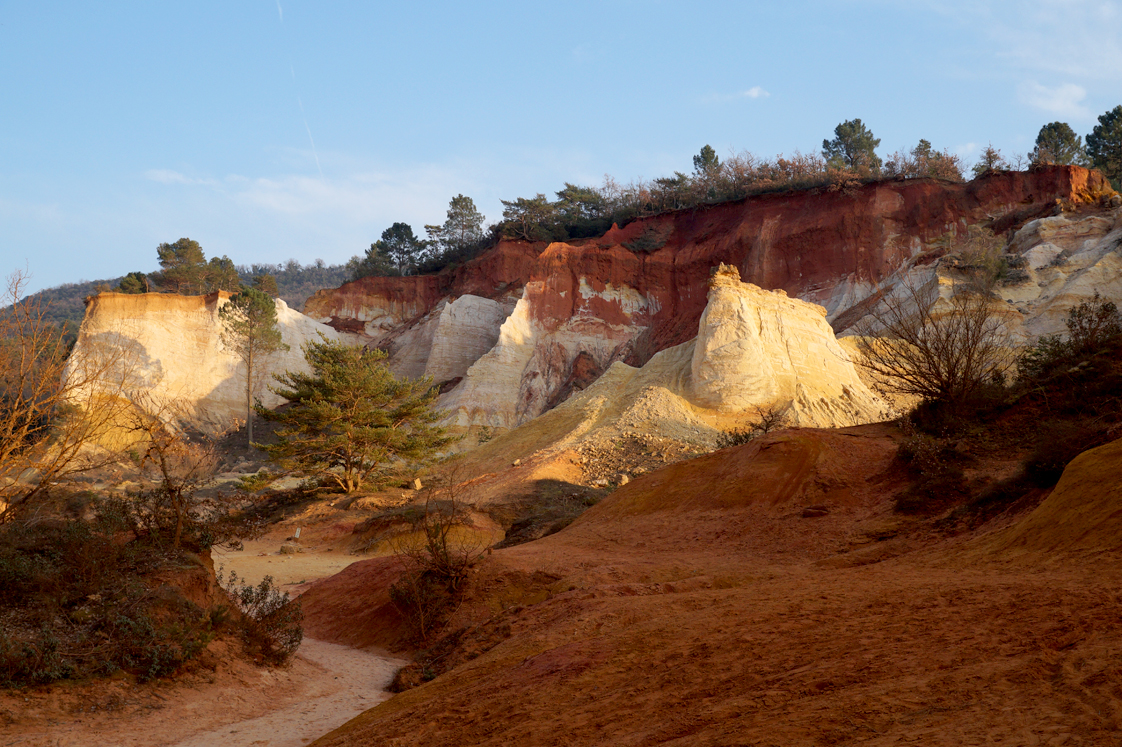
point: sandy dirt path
(237, 705)
(353, 681)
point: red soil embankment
(698, 606)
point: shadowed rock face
(597, 301)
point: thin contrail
(303, 115)
(310, 139)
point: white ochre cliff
(755, 349)
(173, 348)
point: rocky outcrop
(447, 340)
(756, 350)
(1051, 265)
(536, 354)
(760, 349)
(1066, 260)
(571, 309)
(172, 344)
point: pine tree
(853, 147)
(1058, 143)
(350, 420)
(1104, 145)
(183, 267)
(462, 227)
(249, 331)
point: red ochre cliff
(531, 310)
(830, 247)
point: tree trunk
(249, 402)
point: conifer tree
(249, 331)
(853, 147)
(1104, 145)
(350, 421)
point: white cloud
(755, 92)
(1063, 100)
(167, 176)
(419, 195)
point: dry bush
(57, 407)
(981, 253)
(946, 356)
(437, 557)
(767, 419)
(918, 163)
(176, 463)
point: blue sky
(272, 130)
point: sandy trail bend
(353, 681)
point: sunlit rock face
(1067, 260)
(758, 348)
(517, 330)
(562, 334)
(173, 346)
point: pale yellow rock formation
(174, 343)
(1089, 262)
(758, 348)
(1066, 261)
(515, 380)
(755, 349)
(449, 339)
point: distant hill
(297, 282)
(67, 302)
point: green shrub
(652, 239)
(1093, 326)
(81, 598)
(271, 621)
(75, 604)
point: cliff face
(173, 345)
(757, 348)
(570, 309)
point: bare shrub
(57, 407)
(767, 419)
(947, 354)
(437, 557)
(178, 464)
